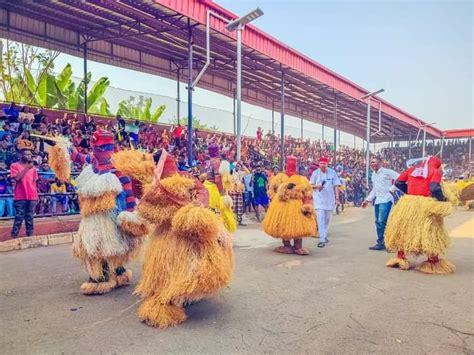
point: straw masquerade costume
(291, 214)
(218, 184)
(110, 231)
(189, 255)
(416, 224)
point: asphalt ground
(340, 299)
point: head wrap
(103, 148)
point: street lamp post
(367, 151)
(238, 25)
(423, 127)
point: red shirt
(25, 188)
(177, 132)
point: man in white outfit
(382, 198)
(325, 197)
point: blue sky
(420, 52)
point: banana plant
(141, 110)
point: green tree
(20, 61)
(140, 110)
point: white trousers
(323, 217)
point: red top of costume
(291, 166)
(419, 185)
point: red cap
(324, 160)
(102, 137)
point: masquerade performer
(190, 254)
(416, 224)
(291, 214)
(109, 231)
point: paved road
(340, 299)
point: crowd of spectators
(262, 152)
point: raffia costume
(189, 254)
(291, 214)
(416, 223)
(109, 231)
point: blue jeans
(382, 210)
(6, 203)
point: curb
(37, 241)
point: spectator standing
(383, 180)
(248, 194)
(325, 184)
(177, 133)
(25, 195)
(260, 187)
(237, 190)
(259, 135)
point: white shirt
(382, 185)
(326, 198)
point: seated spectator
(7, 153)
(6, 201)
(58, 191)
(11, 112)
(5, 131)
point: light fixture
(243, 20)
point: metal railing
(48, 194)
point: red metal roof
(266, 44)
(152, 37)
(459, 133)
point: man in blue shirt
(325, 197)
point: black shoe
(377, 247)
(242, 224)
(327, 240)
(321, 245)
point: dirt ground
(340, 299)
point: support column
(234, 113)
(367, 145)
(273, 116)
(301, 125)
(190, 94)
(178, 97)
(470, 152)
(85, 76)
(282, 129)
(441, 148)
(239, 89)
(391, 144)
(409, 146)
(335, 129)
(423, 152)
(322, 129)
